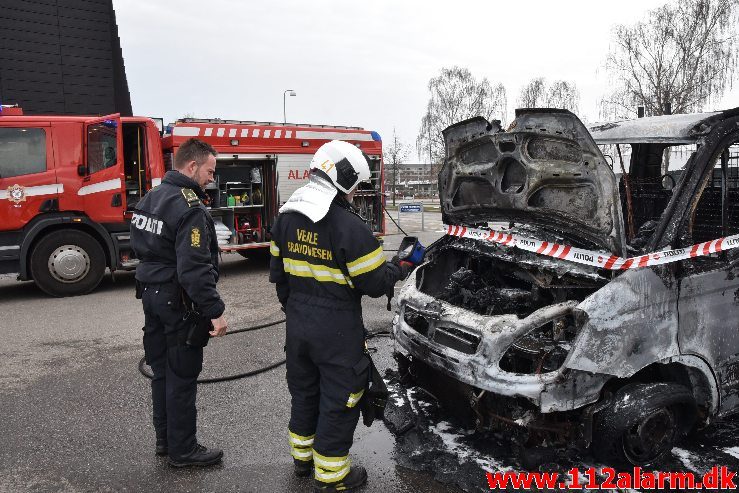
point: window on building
(22, 151)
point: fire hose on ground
(238, 376)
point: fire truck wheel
(67, 263)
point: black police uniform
(174, 237)
(321, 271)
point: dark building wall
(62, 57)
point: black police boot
(162, 448)
(201, 456)
(303, 468)
(357, 477)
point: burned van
(558, 348)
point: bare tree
(393, 156)
(532, 94)
(559, 94)
(563, 94)
(455, 96)
(684, 56)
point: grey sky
(357, 63)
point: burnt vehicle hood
(545, 170)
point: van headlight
(544, 348)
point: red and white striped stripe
(268, 133)
(596, 259)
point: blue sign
(410, 207)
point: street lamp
(284, 115)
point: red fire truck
(68, 186)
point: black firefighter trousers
(175, 366)
(327, 373)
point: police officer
(174, 237)
(324, 258)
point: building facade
(414, 180)
(62, 57)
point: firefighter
(324, 259)
(174, 237)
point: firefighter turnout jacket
(321, 270)
(173, 235)
(331, 263)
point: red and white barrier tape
(597, 259)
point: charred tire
(67, 263)
(642, 423)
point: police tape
(596, 259)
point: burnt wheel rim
(650, 438)
(69, 263)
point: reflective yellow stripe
(296, 439)
(366, 263)
(354, 398)
(330, 463)
(368, 268)
(331, 477)
(370, 256)
(321, 273)
(301, 446)
(304, 455)
(274, 249)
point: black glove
(404, 267)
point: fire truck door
(102, 188)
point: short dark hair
(193, 150)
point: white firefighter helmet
(344, 164)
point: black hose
(238, 376)
(255, 327)
(252, 373)
(219, 379)
(393, 220)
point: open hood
(545, 170)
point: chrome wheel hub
(69, 263)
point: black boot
(303, 468)
(162, 448)
(201, 456)
(357, 477)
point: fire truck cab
(69, 184)
(66, 186)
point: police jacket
(330, 263)
(173, 236)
